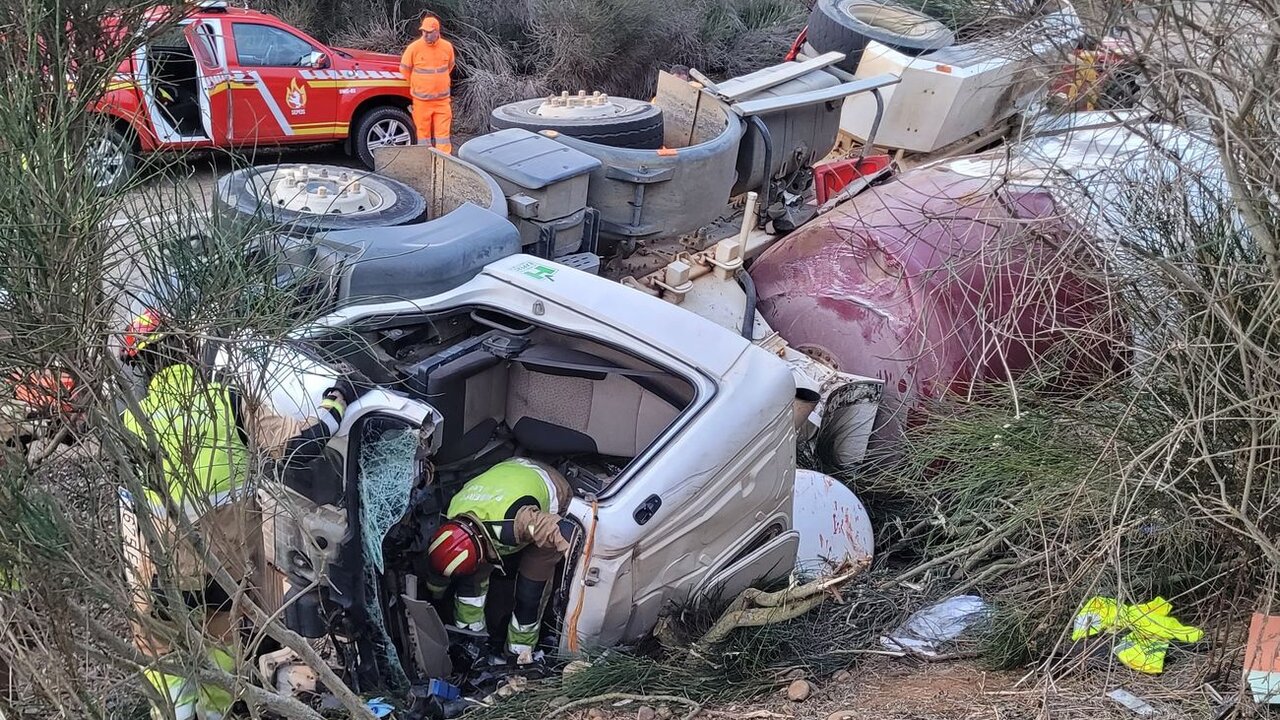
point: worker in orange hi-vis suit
(426, 64)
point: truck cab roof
(517, 283)
(653, 322)
(207, 9)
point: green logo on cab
(537, 271)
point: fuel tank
(941, 282)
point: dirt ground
(886, 688)
(197, 174)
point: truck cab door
(278, 96)
(332, 490)
(208, 44)
(334, 542)
(168, 82)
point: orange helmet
(429, 24)
(143, 331)
(456, 549)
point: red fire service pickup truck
(231, 78)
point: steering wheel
(267, 53)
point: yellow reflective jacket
(195, 425)
(496, 497)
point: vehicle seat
(558, 410)
(470, 392)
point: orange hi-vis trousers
(434, 121)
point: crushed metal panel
(689, 115)
(743, 86)
(431, 642)
(415, 166)
(935, 283)
(446, 182)
(772, 560)
(836, 92)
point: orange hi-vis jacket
(427, 66)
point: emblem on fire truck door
(296, 97)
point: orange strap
(571, 632)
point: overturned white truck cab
(677, 435)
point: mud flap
(430, 641)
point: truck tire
(270, 196)
(616, 122)
(112, 159)
(380, 127)
(847, 25)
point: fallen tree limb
(754, 607)
(694, 708)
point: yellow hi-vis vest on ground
(493, 497)
(1148, 628)
(196, 428)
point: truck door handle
(646, 510)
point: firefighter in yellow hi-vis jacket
(514, 507)
(203, 429)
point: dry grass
(1162, 480)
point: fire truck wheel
(111, 159)
(597, 118)
(847, 25)
(381, 127)
(314, 198)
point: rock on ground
(799, 690)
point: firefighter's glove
(333, 407)
(540, 528)
(350, 391)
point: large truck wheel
(597, 118)
(381, 127)
(847, 25)
(112, 159)
(313, 198)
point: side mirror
(316, 60)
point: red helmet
(456, 549)
(143, 331)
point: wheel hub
(106, 161)
(388, 132)
(579, 107)
(324, 191)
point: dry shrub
(492, 79)
(77, 258)
(1161, 481)
(303, 14)
(514, 51)
(379, 32)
